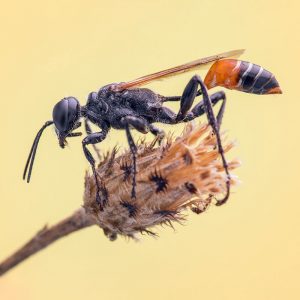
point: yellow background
(247, 249)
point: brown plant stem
(46, 236)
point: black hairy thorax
(111, 107)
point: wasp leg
(171, 98)
(94, 138)
(159, 133)
(221, 110)
(213, 122)
(88, 130)
(177, 98)
(206, 106)
(189, 94)
(166, 115)
(187, 98)
(142, 126)
(199, 109)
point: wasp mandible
(126, 106)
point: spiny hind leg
(187, 99)
(199, 109)
(214, 123)
(167, 116)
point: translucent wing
(174, 71)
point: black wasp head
(66, 114)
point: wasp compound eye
(65, 114)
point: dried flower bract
(181, 173)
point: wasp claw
(133, 194)
(221, 202)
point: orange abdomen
(242, 76)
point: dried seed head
(182, 173)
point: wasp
(126, 106)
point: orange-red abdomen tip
(242, 76)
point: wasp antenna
(31, 156)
